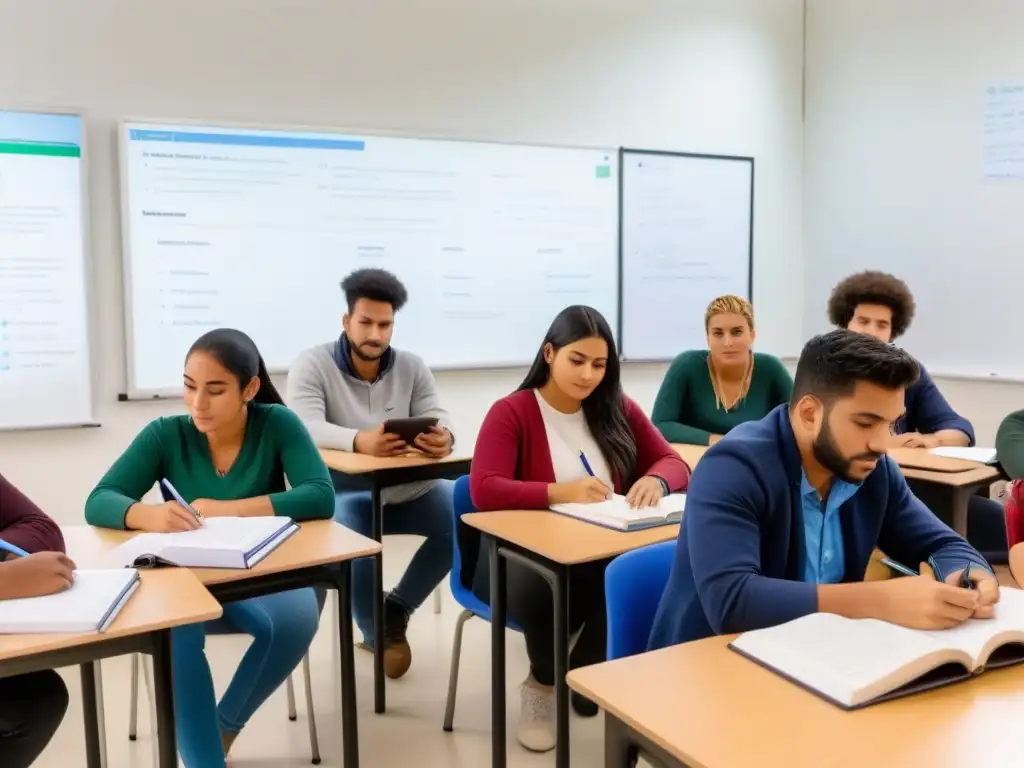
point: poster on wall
(1003, 131)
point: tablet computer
(409, 428)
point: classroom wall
(712, 76)
(893, 180)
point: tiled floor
(408, 735)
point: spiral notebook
(90, 604)
(222, 542)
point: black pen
(965, 578)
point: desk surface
(712, 708)
(915, 463)
(360, 463)
(165, 598)
(315, 543)
(564, 539)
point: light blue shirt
(823, 561)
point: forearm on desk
(854, 601)
(954, 437)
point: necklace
(719, 388)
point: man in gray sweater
(344, 391)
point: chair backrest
(633, 585)
(462, 504)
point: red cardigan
(24, 525)
(512, 462)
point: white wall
(713, 76)
(893, 180)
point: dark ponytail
(603, 409)
(238, 353)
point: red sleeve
(654, 456)
(492, 477)
(25, 525)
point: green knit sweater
(685, 409)
(1010, 445)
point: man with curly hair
(881, 305)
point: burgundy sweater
(25, 525)
(512, 462)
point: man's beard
(364, 356)
(828, 455)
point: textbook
(90, 604)
(616, 512)
(222, 542)
(854, 663)
(980, 455)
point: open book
(222, 542)
(980, 455)
(616, 512)
(90, 604)
(857, 662)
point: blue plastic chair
(472, 606)
(633, 585)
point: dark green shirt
(1010, 445)
(685, 409)
(276, 445)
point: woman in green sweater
(228, 457)
(707, 393)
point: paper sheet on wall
(1004, 132)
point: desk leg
(379, 701)
(498, 714)
(961, 498)
(349, 722)
(163, 695)
(90, 716)
(618, 752)
(560, 590)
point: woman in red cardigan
(529, 455)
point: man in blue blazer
(782, 514)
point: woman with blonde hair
(708, 392)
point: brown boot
(397, 653)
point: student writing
(783, 516)
(344, 391)
(32, 706)
(528, 456)
(706, 393)
(229, 457)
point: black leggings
(986, 521)
(531, 605)
(31, 709)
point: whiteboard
(254, 228)
(687, 238)
(45, 378)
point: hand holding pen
(33, 575)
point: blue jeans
(282, 627)
(430, 516)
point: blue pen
(586, 464)
(16, 551)
(177, 497)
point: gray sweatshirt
(336, 405)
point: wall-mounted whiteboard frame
(134, 393)
(694, 315)
(88, 275)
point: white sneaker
(536, 730)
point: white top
(568, 434)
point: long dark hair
(238, 353)
(603, 408)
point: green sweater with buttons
(685, 410)
(276, 445)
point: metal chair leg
(289, 688)
(453, 675)
(133, 705)
(314, 740)
(437, 600)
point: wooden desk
(549, 544)
(960, 479)
(700, 704)
(378, 473)
(319, 554)
(164, 600)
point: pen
(586, 464)
(16, 551)
(898, 567)
(965, 578)
(177, 497)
